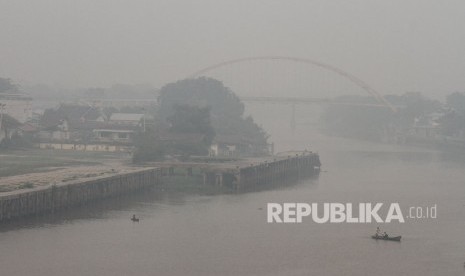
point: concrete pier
(48, 199)
(238, 175)
(262, 171)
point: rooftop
(126, 117)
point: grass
(17, 162)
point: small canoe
(386, 238)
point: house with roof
(88, 128)
(115, 134)
(126, 119)
(69, 123)
(120, 128)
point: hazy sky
(394, 45)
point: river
(196, 234)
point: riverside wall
(56, 197)
(290, 168)
(238, 176)
(265, 172)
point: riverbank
(62, 175)
(32, 168)
(63, 195)
(247, 173)
(78, 188)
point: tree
(7, 125)
(201, 92)
(7, 86)
(456, 101)
(192, 119)
(189, 133)
(452, 123)
(148, 147)
(226, 109)
(417, 105)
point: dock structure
(65, 195)
(250, 172)
(288, 168)
(237, 175)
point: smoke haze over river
(195, 234)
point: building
(120, 128)
(235, 146)
(79, 127)
(18, 106)
(115, 134)
(427, 126)
(70, 123)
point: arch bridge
(380, 101)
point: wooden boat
(386, 238)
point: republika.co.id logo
(346, 213)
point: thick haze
(395, 46)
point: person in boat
(385, 235)
(134, 218)
(378, 232)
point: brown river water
(195, 234)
